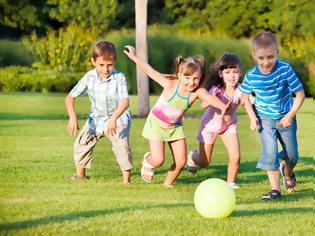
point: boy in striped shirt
(273, 81)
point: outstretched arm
(212, 100)
(153, 74)
(73, 121)
(254, 124)
(298, 101)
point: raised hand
(131, 52)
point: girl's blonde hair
(188, 66)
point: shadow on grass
(248, 173)
(18, 225)
(284, 211)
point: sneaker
(191, 165)
(234, 185)
(76, 177)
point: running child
(164, 123)
(225, 75)
(274, 81)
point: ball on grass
(214, 198)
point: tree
(141, 47)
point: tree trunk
(142, 53)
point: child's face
(266, 58)
(103, 67)
(190, 82)
(230, 76)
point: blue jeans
(270, 132)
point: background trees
(59, 33)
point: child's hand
(111, 127)
(131, 51)
(286, 121)
(254, 124)
(226, 108)
(73, 126)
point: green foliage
(292, 20)
(26, 79)
(97, 15)
(22, 14)
(13, 53)
(69, 49)
(165, 45)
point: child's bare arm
(204, 105)
(73, 125)
(153, 74)
(123, 105)
(298, 101)
(212, 100)
(245, 101)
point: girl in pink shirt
(224, 84)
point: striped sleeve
(80, 88)
(122, 86)
(246, 86)
(293, 81)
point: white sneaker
(234, 185)
(191, 165)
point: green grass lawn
(37, 199)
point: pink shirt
(212, 119)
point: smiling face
(104, 67)
(266, 58)
(190, 81)
(230, 76)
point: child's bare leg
(205, 154)
(231, 143)
(80, 171)
(156, 157)
(273, 176)
(179, 152)
(126, 176)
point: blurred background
(45, 45)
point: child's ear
(93, 61)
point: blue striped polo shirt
(274, 90)
(105, 95)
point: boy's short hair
(104, 49)
(263, 40)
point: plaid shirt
(105, 96)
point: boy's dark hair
(104, 49)
(226, 61)
(263, 40)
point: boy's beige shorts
(85, 142)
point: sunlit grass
(37, 199)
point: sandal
(191, 165)
(234, 186)
(289, 183)
(147, 169)
(272, 195)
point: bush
(13, 53)
(15, 78)
(69, 49)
